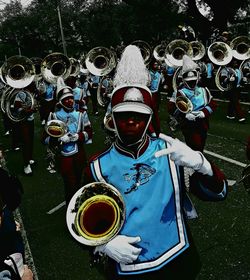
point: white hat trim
(132, 107)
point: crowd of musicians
(67, 93)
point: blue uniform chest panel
(152, 199)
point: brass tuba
(18, 71)
(183, 104)
(175, 51)
(198, 50)
(159, 52)
(100, 61)
(95, 213)
(28, 104)
(56, 128)
(104, 90)
(241, 47)
(75, 66)
(55, 65)
(220, 53)
(145, 50)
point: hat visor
(190, 78)
(132, 107)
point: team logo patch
(139, 176)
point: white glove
(232, 79)
(74, 137)
(65, 138)
(183, 155)
(190, 116)
(120, 249)
(200, 115)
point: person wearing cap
(80, 95)
(194, 122)
(72, 156)
(154, 240)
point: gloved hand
(200, 115)
(74, 137)
(232, 79)
(120, 249)
(190, 116)
(65, 138)
(183, 155)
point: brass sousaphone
(145, 49)
(95, 213)
(175, 51)
(18, 72)
(240, 47)
(55, 65)
(221, 54)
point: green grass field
(221, 233)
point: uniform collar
(130, 153)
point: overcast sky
(4, 2)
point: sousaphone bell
(241, 47)
(175, 51)
(95, 213)
(18, 71)
(100, 61)
(55, 65)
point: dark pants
(26, 130)
(71, 169)
(195, 133)
(234, 108)
(93, 96)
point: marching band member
(234, 109)
(26, 127)
(194, 125)
(94, 81)
(155, 83)
(154, 240)
(72, 156)
(47, 101)
(80, 95)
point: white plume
(131, 69)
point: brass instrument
(108, 122)
(240, 47)
(220, 82)
(159, 52)
(18, 71)
(95, 213)
(17, 114)
(104, 90)
(220, 53)
(56, 128)
(83, 67)
(183, 104)
(40, 85)
(198, 50)
(100, 61)
(175, 51)
(145, 50)
(55, 65)
(75, 66)
(245, 69)
(177, 78)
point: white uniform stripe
(98, 171)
